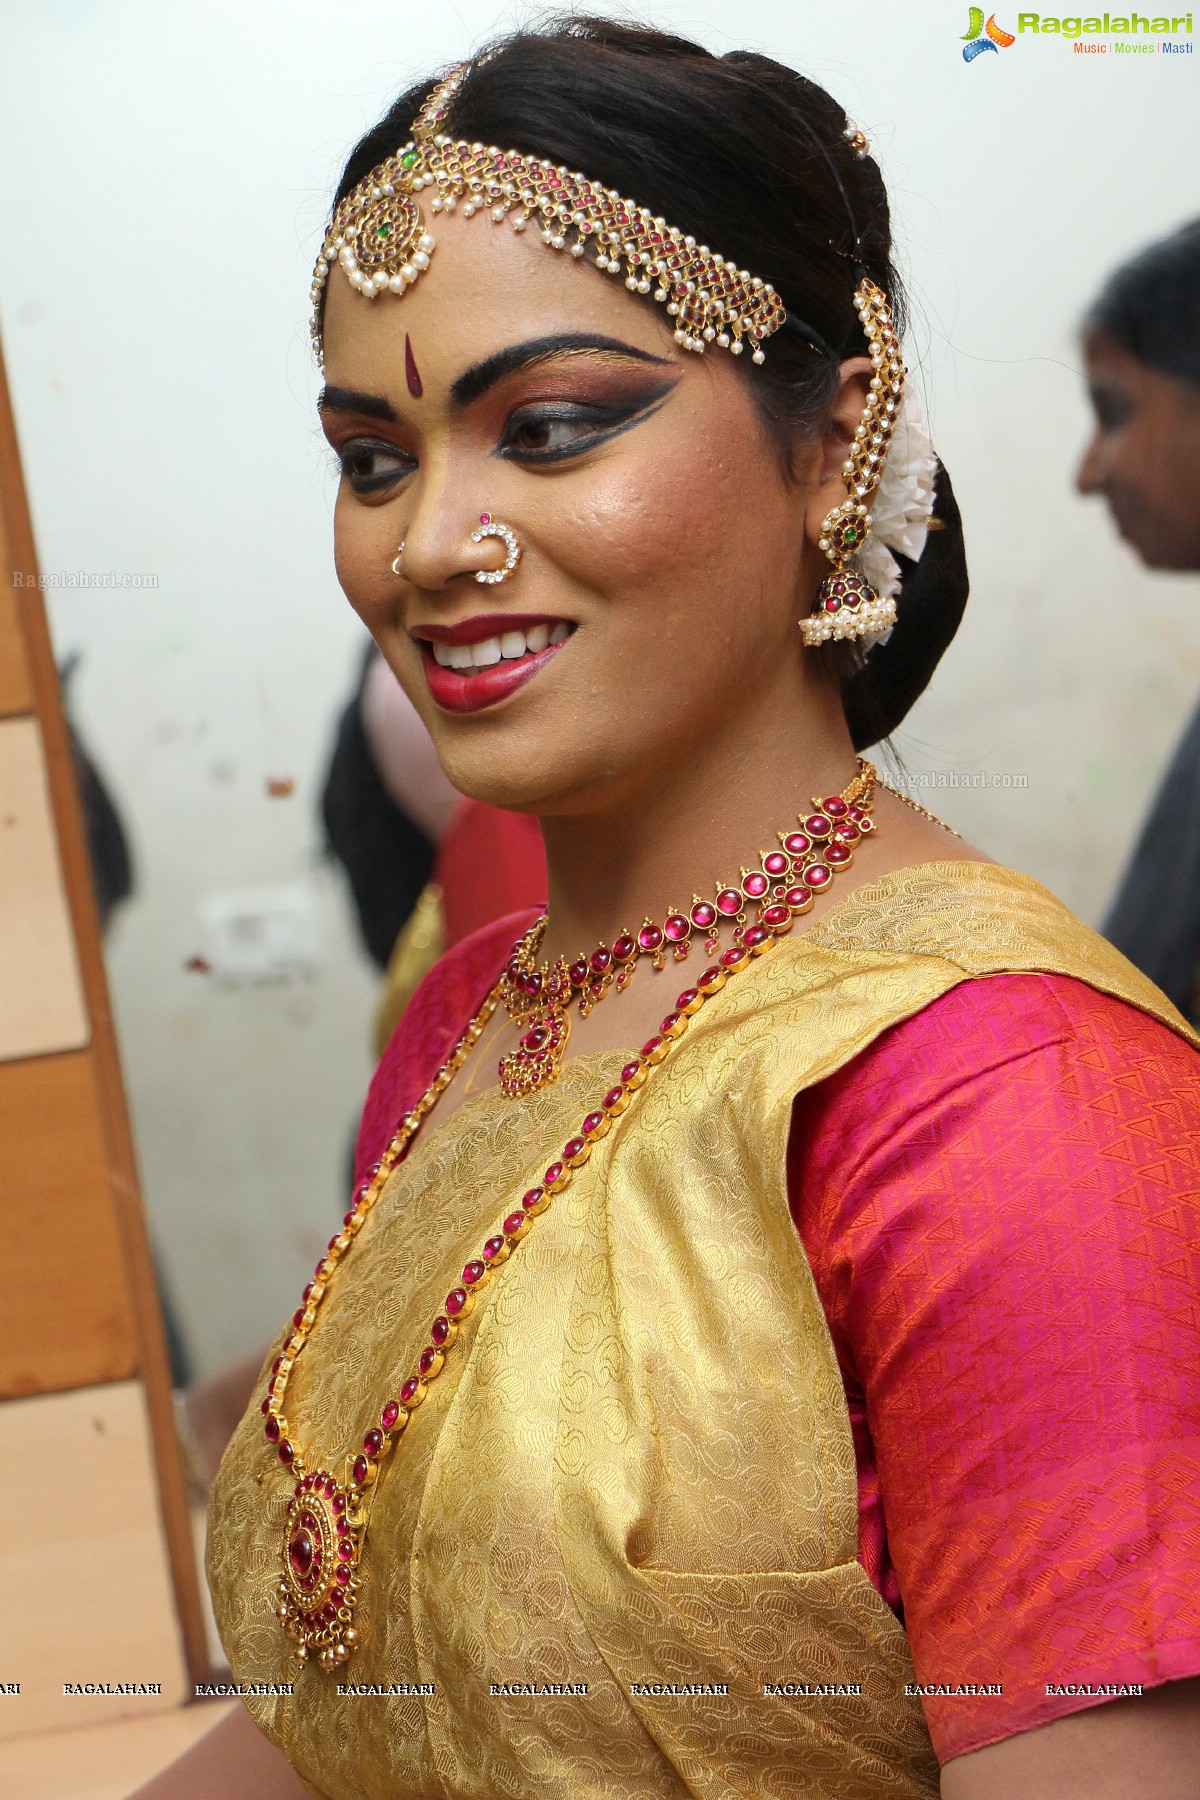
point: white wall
(166, 172)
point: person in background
(107, 841)
(426, 867)
(1141, 342)
(384, 805)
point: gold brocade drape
(637, 1470)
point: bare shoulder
(910, 833)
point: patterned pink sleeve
(431, 1025)
(999, 1200)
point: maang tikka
(379, 233)
(847, 605)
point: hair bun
(882, 687)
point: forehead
(487, 286)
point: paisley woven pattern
(643, 1472)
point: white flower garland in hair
(900, 507)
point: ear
(828, 480)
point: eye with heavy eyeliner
(555, 431)
(356, 461)
(534, 432)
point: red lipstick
(471, 693)
(460, 692)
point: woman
(1142, 346)
(589, 1468)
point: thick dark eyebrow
(349, 400)
(481, 376)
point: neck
(724, 802)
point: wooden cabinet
(98, 1582)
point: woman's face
(666, 557)
(1144, 456)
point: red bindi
(411, 372)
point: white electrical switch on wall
(260, 934)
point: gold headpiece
(381, 239)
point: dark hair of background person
(108, 846)
(752, 158)
(1150, 306)
(387, 858)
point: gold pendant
(321, 1548)
(535, 1061)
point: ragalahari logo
(979, 37)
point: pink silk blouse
(998, 1199)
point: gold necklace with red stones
(324, 1533)
(539, 996)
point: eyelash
(605, 420)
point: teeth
(485, 654)
(508, 647)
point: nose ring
(492, 528)
(487, 528)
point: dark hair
(387, 858)
(1151, 305)
(752, 158)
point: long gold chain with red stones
(329, 1625)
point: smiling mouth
(482, 661)
(507, 646)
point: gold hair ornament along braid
(380, 237)
(847, 604)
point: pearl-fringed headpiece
(379, 235)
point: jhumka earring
(492, 528)
(847, 605)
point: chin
(511, 775)
(1159, 553)
(1173, 559)
(1157, 543)
(552, 777)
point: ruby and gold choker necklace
(324, 1534)
(786, 882)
